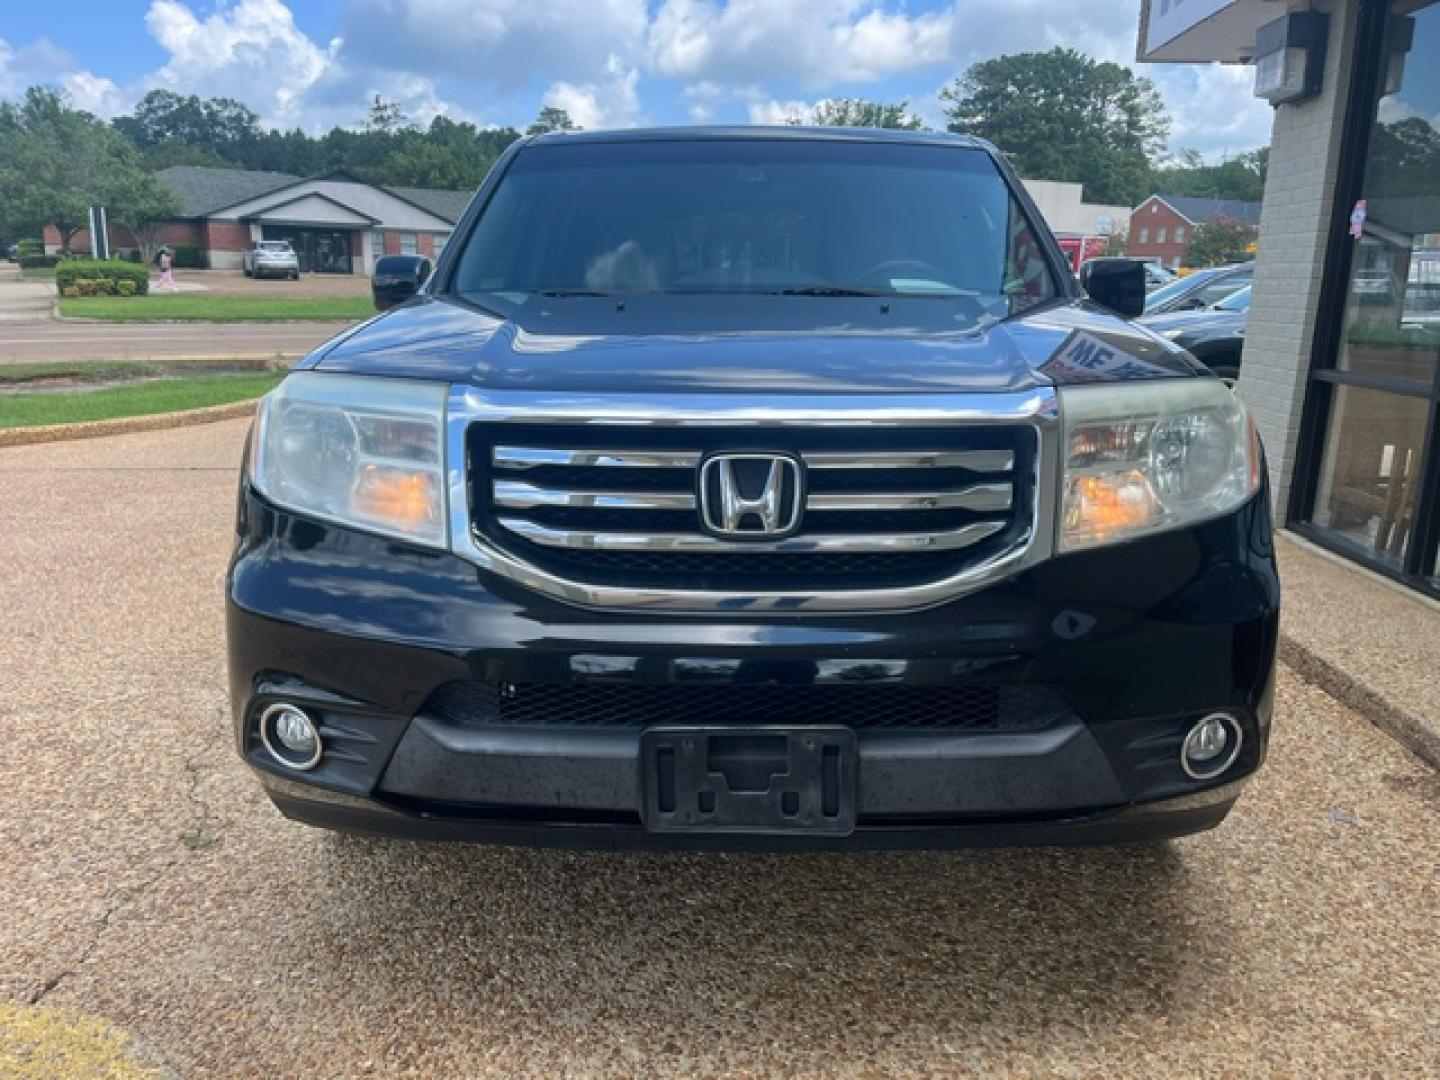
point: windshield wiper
(574, 292)
(832, 290)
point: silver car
(272, 258)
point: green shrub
(31, 247)
(125, 288)
(39, 262)
(100, 278)
(186, 257)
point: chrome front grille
(620, 505)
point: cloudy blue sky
(611, 63)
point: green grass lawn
(202, 307)
(38, 273)
(140, 399)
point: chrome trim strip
(527, 457)
(975, 460)
(518, 495)
(978, 497)
(575, 539)
(1038, 409)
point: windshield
(1178, 287)
(274, 245)
(1236, 301)
(805, 218)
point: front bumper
(1136, 641)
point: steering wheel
(919, 267)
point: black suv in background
(762, 487)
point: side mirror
(1118, 284)
(397, 278)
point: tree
(1116, 240)
(859, 113)
(385, 117)
(138, 202)
(1221, 240)
(551, 119)
(223, 126)
(1240, 177)
(1061, 115)
(54, 164)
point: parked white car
(272, 258)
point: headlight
(362, 452)
(1142, 457)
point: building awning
(1198, 31)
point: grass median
(135, 399)
(202, 307)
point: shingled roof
(438, 201)
(1200, 210)
(203, 189)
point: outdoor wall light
(1290, 57)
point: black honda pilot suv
(753, 487)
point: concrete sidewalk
(21, 300)
(1364, 640)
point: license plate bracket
(763, 779)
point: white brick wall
(1294, 227)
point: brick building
(1162, 226)
(1341, 367)
(337, 222)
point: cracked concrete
(145, 880)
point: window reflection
(1370, 469)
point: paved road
(33, 341)
(29, 333)
(144, 880)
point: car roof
(779, 132)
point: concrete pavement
(145, 881)
(20, 300)
(30, 333)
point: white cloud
(1212, 107)
(782, 112)
(95, 94)
(251, 50)
(815, 42)
(610, 102)
(496, 43)
(43, 63)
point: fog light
(290, 736)
(1210, 747)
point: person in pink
(167, 280)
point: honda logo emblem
(755, 495)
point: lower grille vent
(638, 705)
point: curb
(126, 425)
(1418, 734)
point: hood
(699, 344)
(1195, 324)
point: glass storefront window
(1384, 387)
(1370, 467)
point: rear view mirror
(1118, 284)
(397, 278)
